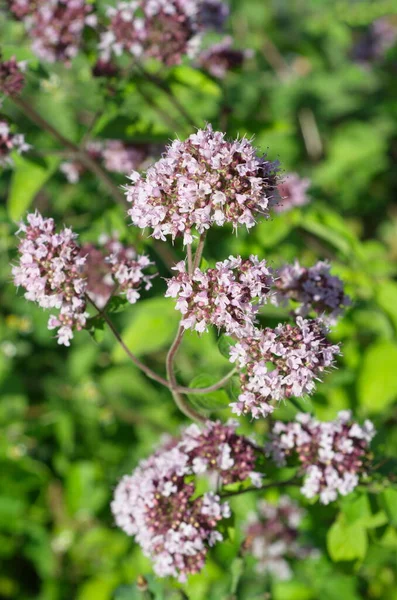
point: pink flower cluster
(272, 537)
(220, 58)
(278, 363)
(50, 269)
(291, 192)
(12, 79)
(162, 29)
(332, 455)
(9, 142)
(314, 288)
(55, 26)
(227, 296)
(202, 181)
(156, 503)
(57, 273)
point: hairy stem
(80, 153)
(180, 401)
(267, 486)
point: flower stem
(189, 259)
(180, 401)
(199, 252)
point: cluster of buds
(220, 58)
(279, 363)
(158, 504)
(202, 181)
(291, 192)
(314, 288)
(117, 157)
(272, 537)
(55, 26)
(227, 296)
(332, 455)
(163, 29)
(10, 142)
(12, 79)
(50, 269)
(57, 273)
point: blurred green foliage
(74, 420)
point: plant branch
(180, 401)
(267, 486)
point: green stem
(180, 401)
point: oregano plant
(177, 199)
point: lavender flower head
(314, 288)
(50, 269)
(156, 505)
(228, 296)
(332, 455)
(220, 58)
(10, 142)
(278, 363)
(272, 537)
(291, 193)
(202, 181)
(55, 26)
(12, 79)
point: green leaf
(153, 327)
(347, 541)
(377, 381)
(357, 509)
(211, 401)
(96, 328)
(224, 344)
(27, 180)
